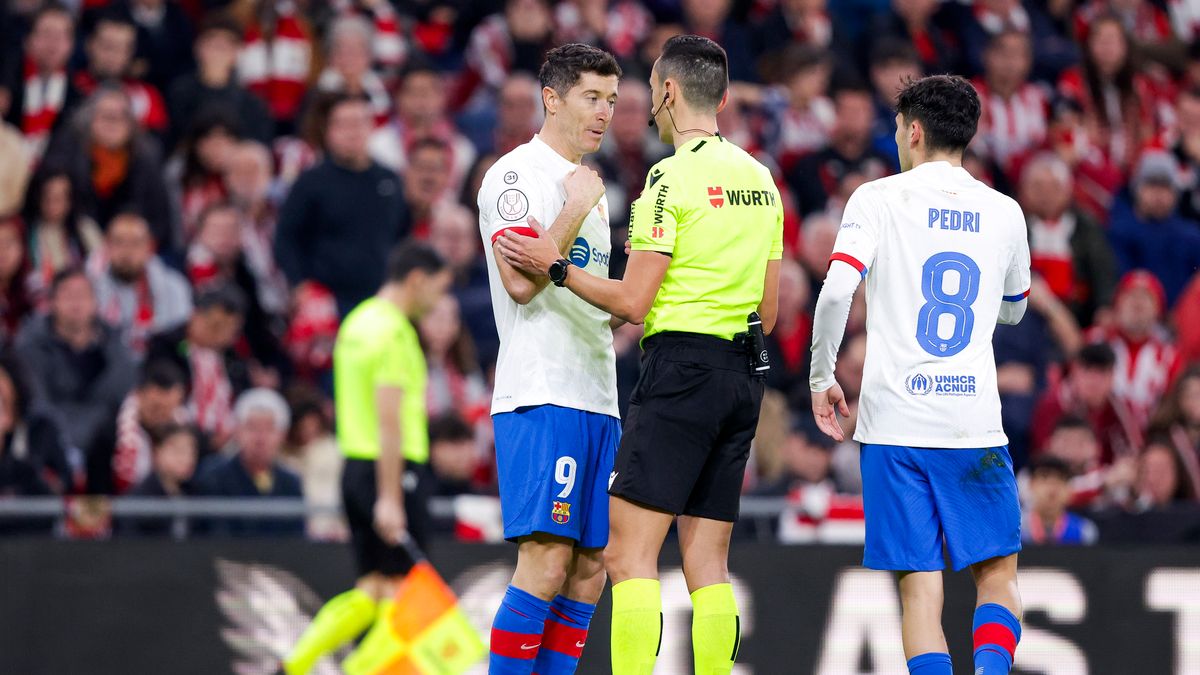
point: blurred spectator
(1178, 419)
(504, 43)
(113, 166)
(136, 292)
(203, 349)
(801, 22)
(1146, 358)
(1186, 322)
(216, 258)
(711, 18)
(164, 40)
(78, 364)
(453, 457)
(893, 63)
(1118, 102)
(59, 236)
(455, 384)
(455, 236)
(850, 362)
(788, 343)
(15, 300)
(1147, 232)
(198, 171)
(1095, 482)
(16, 169)
(248, 182)
(1047, 520)
(277, 57)
(1161, 479)
(214, 85)
(913, 22)
(802, 116)
(1146, 23)
(343, 215)
(806, 457)
(1087, 392)
(1185, 147)
(33, 453)
(156, 404)
(349, 67)
(110, 49)
(1015, 111)
(421, 114)
(253, 469)
(388, 48)
(518, 116)
(1068, 250)
(313, 454)
(985, 18)
(816, 177)
(41, 95)
(174, 454)
(426, 182)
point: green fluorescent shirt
(716, 211)
(377, 346)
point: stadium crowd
(194, 192)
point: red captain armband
(849, 260)
(519, 229)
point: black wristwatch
(558, 271)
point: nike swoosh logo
(525, 647)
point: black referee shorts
(687, 434)
(359, 491)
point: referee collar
(694, 144)
(544, 148)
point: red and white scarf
(44, 98)
(276, 67)
(146, 102)
(140, 322)
(212, 392)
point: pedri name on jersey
(950, 219)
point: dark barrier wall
(234, 606)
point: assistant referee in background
(706, 237)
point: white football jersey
(940, 251)
(557, 349)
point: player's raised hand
(584, 187)
(824, 405)
(533, 255)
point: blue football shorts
(918, 500)
(553, 465)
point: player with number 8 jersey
(945, 259)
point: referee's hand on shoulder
(584, 187)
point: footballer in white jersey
(945, 259)
(555, 405)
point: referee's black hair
(948, 108)
(411, 256)
(701, 68)
(566, 64)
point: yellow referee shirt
(377, 346)
(716, 211)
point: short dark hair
(51, 8)
(699, 65)
(115, 17)
(411, 256)
(219, 22)
(417, 65)
(947, 106)
(161, 373)
(893, 50)
(1050, 467)
(1069, 422)
(566, 64)
(66, 274)
(1097, 355)
(223, 296)
(428, 143)
(160, 436)
(449, 428)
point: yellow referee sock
(716, 629)
(341, 620)
(636, 626)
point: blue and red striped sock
(517, 633)
(997, 633)
(931, 663)
(566, 633)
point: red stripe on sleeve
(996, 634)
(519, 229)
(515, 645)
(849, 260)
(564, 639)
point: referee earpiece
(650, 122)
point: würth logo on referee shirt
(716, 196)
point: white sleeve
(829, 323)
(506, 199)
(858, 235)
(1017, 280)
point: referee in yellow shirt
(379, 393)
(706, 238)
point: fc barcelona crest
(561, 513)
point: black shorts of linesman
(706, 237)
